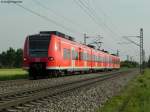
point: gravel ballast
(18, 85)
(86, 99)
(10, 86)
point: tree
(11, 58)
(18, 58)
(129, 64)
(148, 63)
(3, 59)
(10, 55)
(0, 60)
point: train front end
(35, 55)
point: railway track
(21, 85)
(19, 100)
(27, 81)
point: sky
(111, 19)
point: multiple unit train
(52, 52)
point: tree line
(129, 64)
(148, 62)
(11, 58)
(133, 64)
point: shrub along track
(25, 98)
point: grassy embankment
(11, 74)
(134, 98)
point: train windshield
(38, 45)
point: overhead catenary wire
(108, 18)
(88, 4)
(105, 15)
(94, 18)
(125, 37)
(105, 25)
(87, 11)
(89, 8)
(91, 16)
(92, 12)
(56, 13)
(47, 19)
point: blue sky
(115, 18)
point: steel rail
(12, 100)
(39, 88)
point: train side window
(110, 60)
(66, 53)
(93, 58)
(88, 57)
(80, 55)
(96, 58)
(85, 56)
(104, 59)
(99, 59)
(74, 55)
(107, 59)
(77, 55)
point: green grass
(134, 98)
(11, 74)
(18, 73)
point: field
(10, 74)
(135, 97)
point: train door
(90, 58)
(85, 59)
(59, 53)
(73, 60)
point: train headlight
(24, 59)
(50, 58)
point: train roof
(72, 39)
(58, 34)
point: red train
(52, 52)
